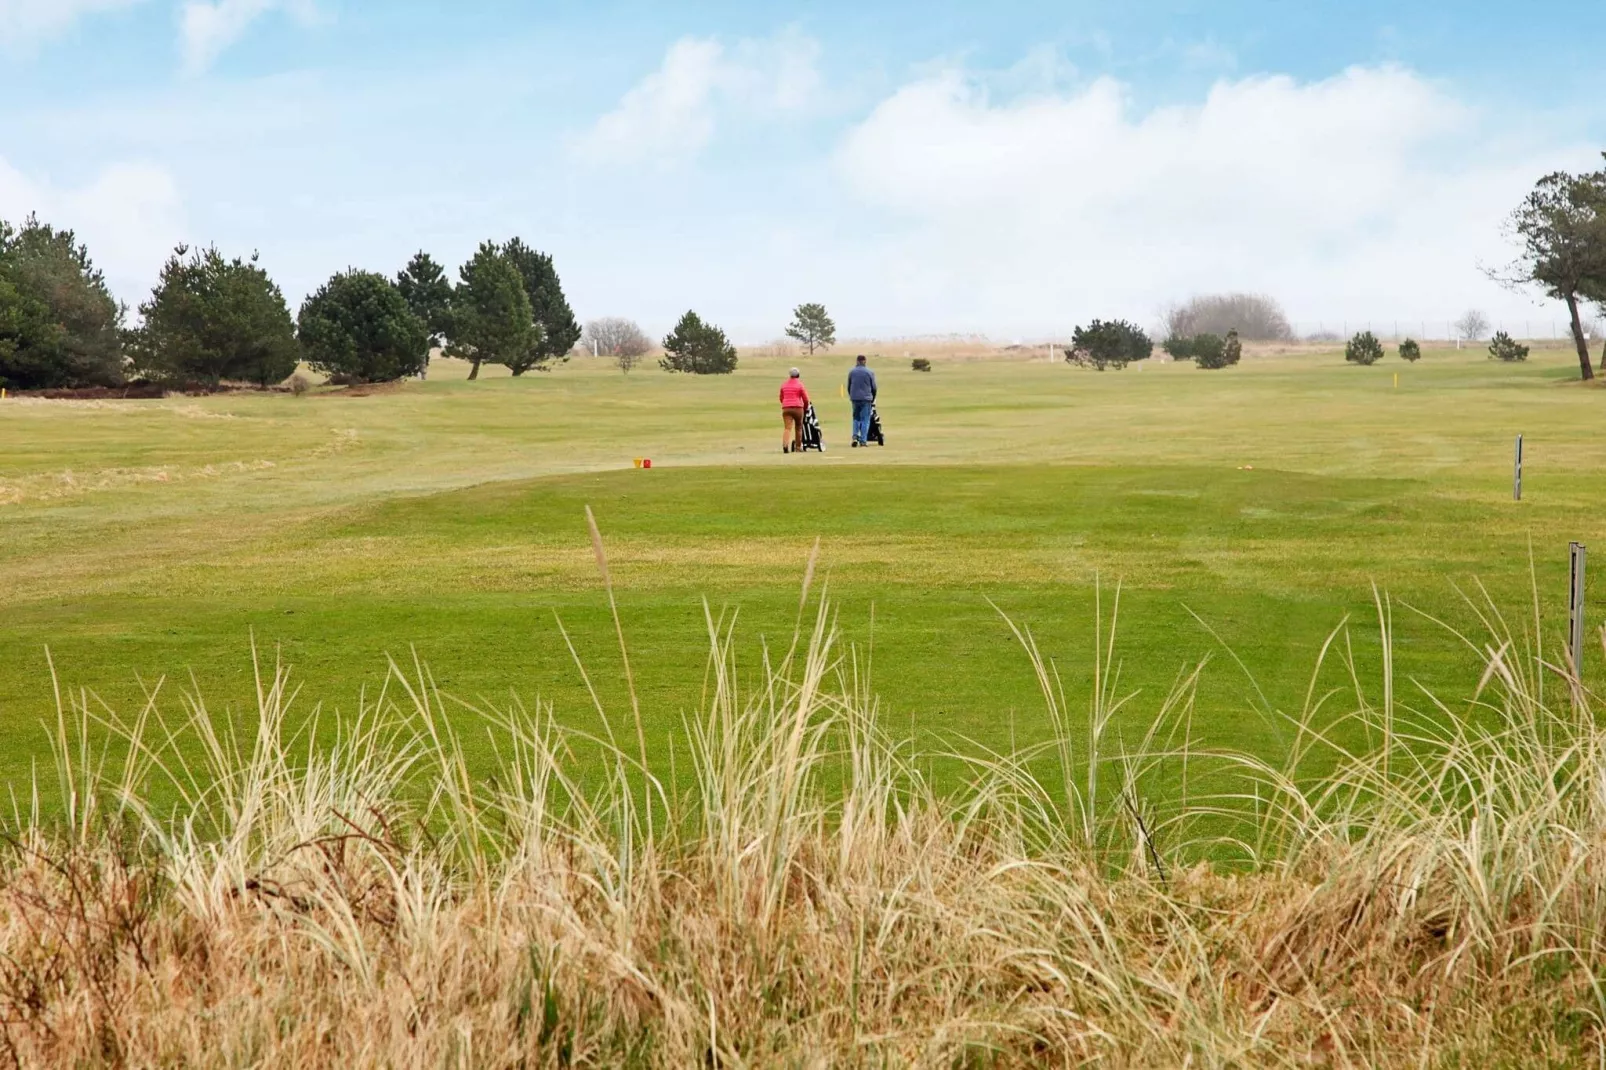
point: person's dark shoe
(786, 449)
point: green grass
(139, 539)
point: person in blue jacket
(861, 391)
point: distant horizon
(920, 169)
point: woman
(794, 402)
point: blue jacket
(861, 384)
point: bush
(299, 384)
(1364, 349)
(1232, 351)
(698, 348)
(1210, 352)
(358, 324)
(1255, 316)
(1102, 344)
(1178, 347)
(920, 364)
(1410, 351)
(1506, 348)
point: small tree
(619, 338)
(59, 324)
(548, 305)
(491, 317)
(428, 292)
(211, 319)
(1506, 348)
(812, 328)
(1410, 351)
(1364, 349)
(920, 364)
(1472, 326)
(1210, 352)
(358, 325)
(1232, 350)
(699, 348)
(1112, 344)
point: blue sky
(1003, 168)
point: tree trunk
(474, 370)
(1578, 338)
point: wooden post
(1516, 474)
(1575, 606)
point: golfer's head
(796, 374)
(861, 358)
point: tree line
(212, 318)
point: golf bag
(875, 434)
(812, 438)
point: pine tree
(428, 292)
(551, 309)
(359, 325)
(699, 348)
(491, 317)
(812, 328)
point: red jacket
(793, 395)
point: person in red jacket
(794, 402)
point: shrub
(1255, 316)
(1178, 347)
(1363, 349)
(699, 348)
(1506, 348)
(1209, 351)
(920, 364)
(299, 384)
(1105, 344)
(1410, 351)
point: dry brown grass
(800, 895)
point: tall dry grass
(803, 895)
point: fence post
(1575, 606)
(1516, 474)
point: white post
(1516, 476)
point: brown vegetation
(798, 894)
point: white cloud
(129, 216)
(27, 22)
(1371, 194)
(673, 111)
(207, 28)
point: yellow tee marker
(842, 390)
(1396, 380)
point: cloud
(672, 113)
(1371, 193)
(27, 22)
(130, 216)
(207, 28)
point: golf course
(1243, 515)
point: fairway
(1243, 513)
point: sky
(922, 167)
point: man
(861, 391)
